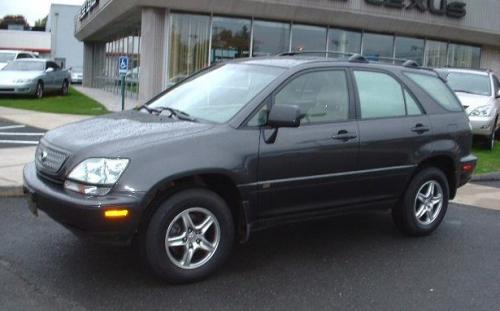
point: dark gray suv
(253, 143)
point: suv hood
(118, 132)
(472, 101)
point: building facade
(24, 40)
(65, 48)
(167, 40)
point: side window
(412, 108)
(53, 65)
(497, 84)
(322, 96)
(22, 55)
(437, 90)
(380, 95)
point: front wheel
(39, 90)
(189, 236)
(65, 88)
(424, 203)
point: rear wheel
(424, 203)
(189, 236)
(39, 90)
(65, 88)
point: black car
(254, 143)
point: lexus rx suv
(248, 144)
(479, 92)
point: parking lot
(356, 262)
(14, 134)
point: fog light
(86, 189)
(116, 213)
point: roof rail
(356, 58)
(293, 53)
(411, 64)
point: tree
(14, 20)
(40, 24)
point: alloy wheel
(428, 202)
(192, 238)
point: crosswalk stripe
(19, 142)
(9, 127)
(20, 134)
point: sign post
(122, 70)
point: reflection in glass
(230, 38)
(464, 56)
(410, 48)
(308, 38)
(378, 47)
(270, 38)
(189, 44)
(344, 41)
(435, 53)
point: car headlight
(20, 81)
(96, 176)
(483, 111)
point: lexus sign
(456, 9)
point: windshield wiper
(175, 113)
(464, 91)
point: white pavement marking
(19, 142)
(12, 127)
(20, 134)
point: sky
(31, 9)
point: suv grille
(49, 160)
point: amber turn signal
(116, 213)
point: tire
(170, 262)
(490, 143)
(39, 91)
(65, 88)
(405, 214)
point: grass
(488, 161)
(74, 103)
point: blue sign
(123, 65)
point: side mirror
(50, 69)
(284, 116)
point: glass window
(479, 84)
(410, 48)
(464, 56)
(380, 95)
(309, 38)
(344, 41)
(412, 108)
(435, 53)
(436, 88)
(230, 38)
(218, 94)
(378, 47)
(323, 96)
(189, 43)
(270, 38)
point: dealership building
(166, 40)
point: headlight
(483, 111)
(96, 175)
(20, 81)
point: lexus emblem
(43, 156)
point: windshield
(7, 57)
(470, 83)
(217, 95)
(25, 66)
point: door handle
(420, 129)
(344, 135)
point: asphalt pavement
(355, 262)
(14, 134)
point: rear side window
(380, 95)
(437, 90)
(411, 105)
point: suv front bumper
(84, 215)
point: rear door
(304, 168)
(393, 130)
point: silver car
(479, 92)
(33, 77)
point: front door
(308, 168)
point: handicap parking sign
(123, 65)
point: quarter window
(380, 95)
(322, 96)
(437, 90)
(412, 108)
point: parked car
(33, 77)
(76, 75)
(253, 143)
(11, 55)
(479, 92)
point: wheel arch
(447, 165)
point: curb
(486, 177)
(12, 191)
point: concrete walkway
(38, 119)
(111, 101)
